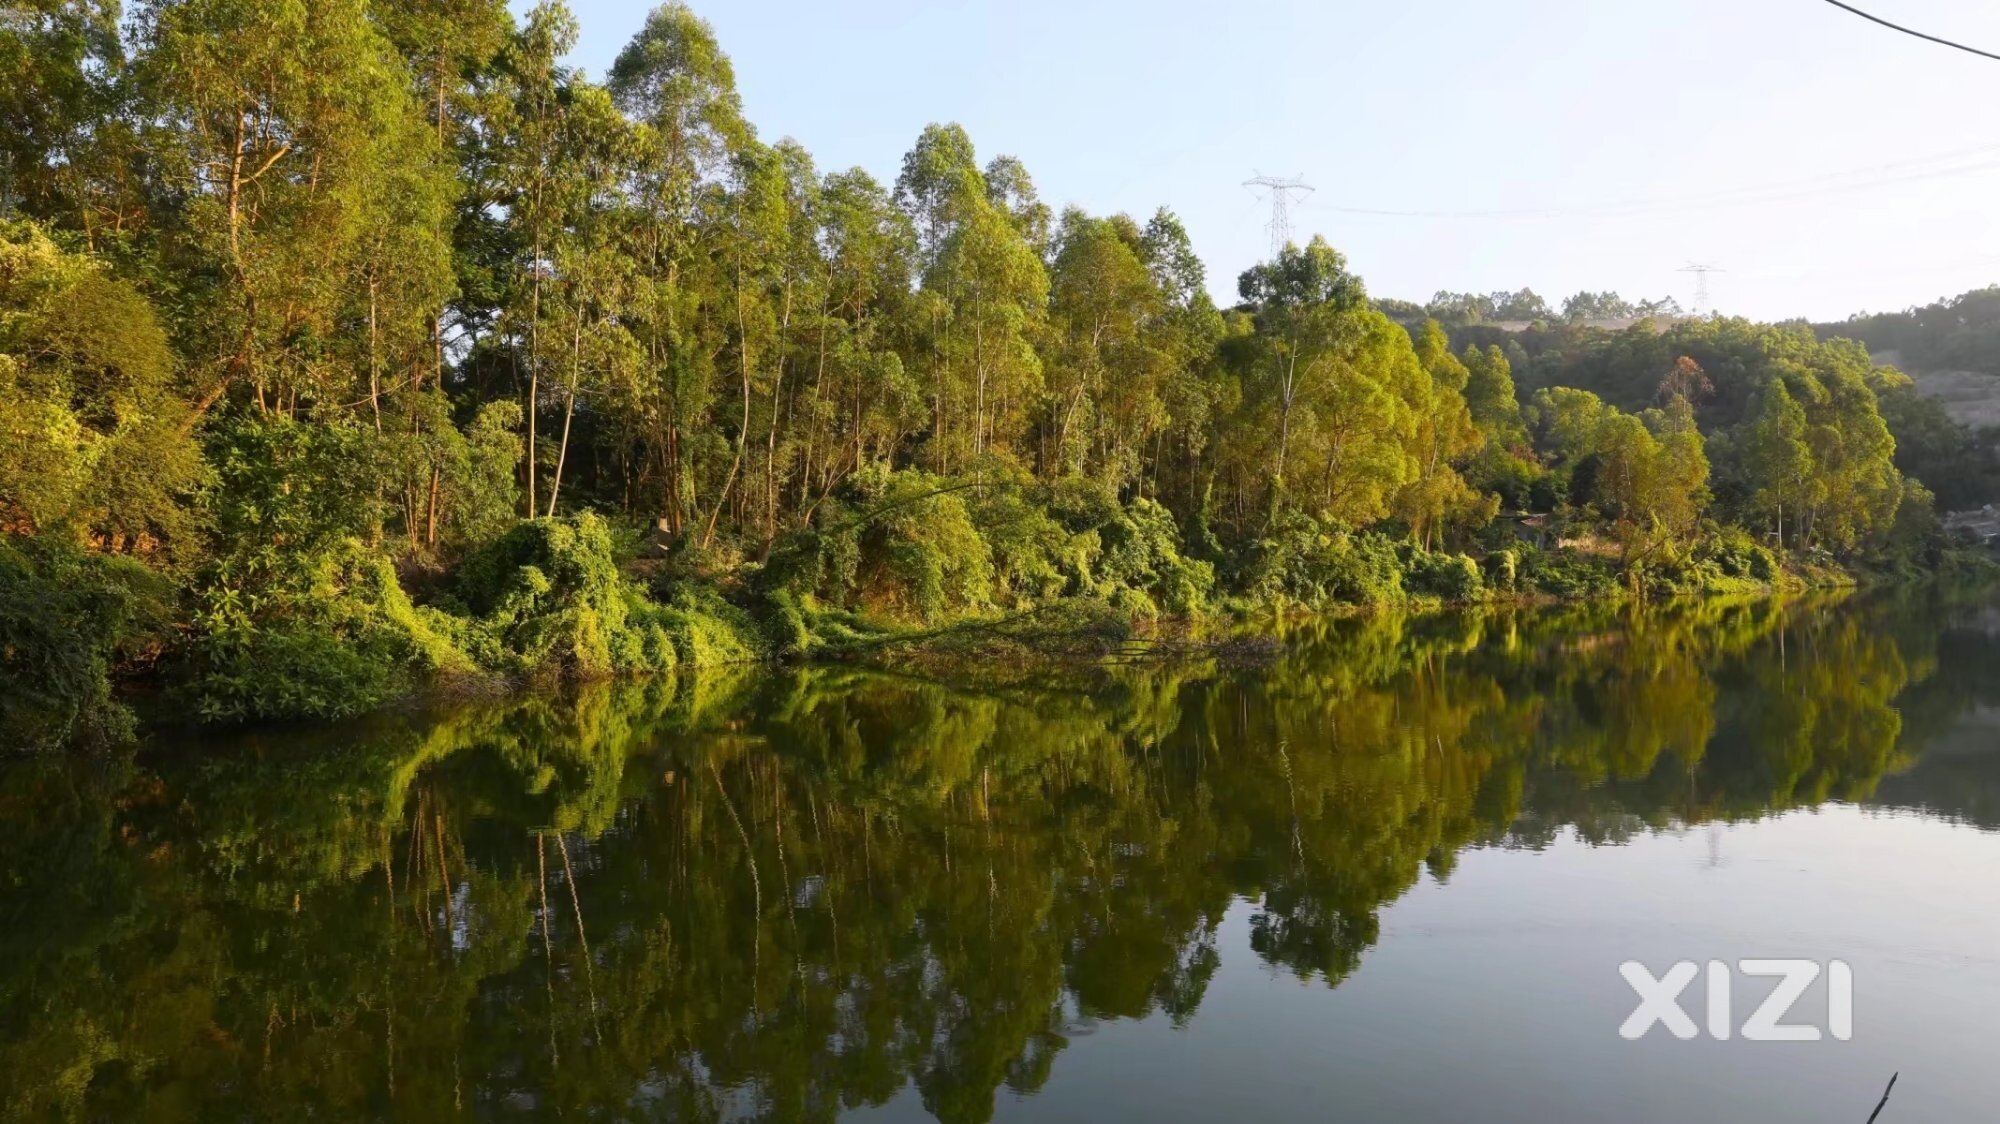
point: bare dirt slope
(1971, 398)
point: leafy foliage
(1953, 333)
(96, 448)
(65, 618)
(331, 635)
(404, 350)
(548, 596)
(1317, 566)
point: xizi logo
(1660, 1000)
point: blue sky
(1785, 140)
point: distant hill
(1960, 333)
(1950, 346)
(1606, 323)
(1972, 398)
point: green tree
(1105, 375)
(1780, 460)
(286, 127)
(1304, 302)
(679, 89)
(1445, 435)
(542, 190)
(97, 447)
(983, 302)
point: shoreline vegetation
(352, 348)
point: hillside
(1972, 398)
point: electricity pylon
(1701, 272)
(1281, 189)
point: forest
(354, 346)
(1959, 332)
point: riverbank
(920, 581)
(902, 566)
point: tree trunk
(534, 375)
(569, 409)
(771, 432)
(1286, 387)
(812, 424)
(374, 367)
(743, 429)
(431, 512)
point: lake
(1388, 873)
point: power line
(1280, 190)
(1778, 192)
(1783, 191)
(1913, 31)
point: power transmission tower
(1701, 272)
(1282, 190)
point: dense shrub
(1964, 567)
(1566, 574)
(1724, 560)
(906, 555)
(64, 617)
(97, 444)
(704, 629)
(1312, 566)
(1036, 556)
(1142, 556)
(913, 547)
(549, 596)
(298, 616)
(285, 493)
(338, 635)
(289, 669)
(476, 470)
(1307, 564)
(1736, 554)
(331, 635)
(1451, 577)
(904, 545)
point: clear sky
(1795, 145)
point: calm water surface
(1388, 876)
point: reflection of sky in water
(1496, 996)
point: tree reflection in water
(785, 893)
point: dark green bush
(293, 669)
(902, 544)
(325, 635)
(549, 596)
(1566, 574)
(1141, 557)
(296, 616)
(1307, 564)
(1736, 554)
(1451, 577)
(65, 615)
(1037, 557)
